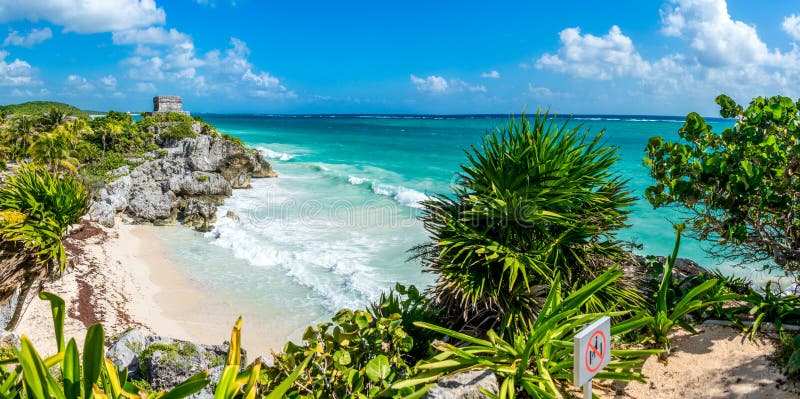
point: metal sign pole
(587, 390)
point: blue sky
(631, 57)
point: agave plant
(536, 200)
(537, 361)
(67, 375)
(667, 314)
(49, 203)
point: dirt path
(719, 362)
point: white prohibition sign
(592, 350)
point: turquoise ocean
(335, 228)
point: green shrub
(765, 305)
(179, 131)
(234, 140)
(537, 361)
(49, 203)
(537, 199)
(202, 178)
(161, 153)
(739, 187)
(110, 161)
(670, 309)
(73, 375)
(360, 353)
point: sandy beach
(120, 278)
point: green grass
(42, 107)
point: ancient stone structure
(168, 104)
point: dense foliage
(360, 353)
(73, 375)
(536, 199)
(741, 186)
(41, 107)
(538, 360)
(37, 206)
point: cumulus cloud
(431, 84)
(791, 25)
(439, 85)
(592, 57)
(86, 16)
(150, 35)
(109, 82)
(491, 75)
(722, 54)
(33, 38)
(15, 73)
(716, 38)
(78, 83)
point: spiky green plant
(70, 375)
(536, 199)
(537, 361)
(49, 204)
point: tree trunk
(22, 302)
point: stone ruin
(163, 104)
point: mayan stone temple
(168, 104)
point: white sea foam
(403, 196)
(281, 156)
(355, 180)
(331, 262)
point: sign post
(592, 352)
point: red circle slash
(592, 348)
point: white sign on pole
(592, 352)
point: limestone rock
(102, 212)
(199, 183)
(465, 385)
(199, 214)
(164, 362)
(8, 339)
(232, 215)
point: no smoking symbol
(595, 351)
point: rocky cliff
(183, 182)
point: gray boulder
(199, 183)
(465, 385)
(8, 339)
(148, 202)
(199, 214)
(102, 212)
(164, 362)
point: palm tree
(54, 150)
(52, 119)
(110, 129)
(21, 135)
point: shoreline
(121, 278)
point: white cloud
(431, 84)
(84, 16)
(791, 25)
(145, 87)
(33, 38)
(439, 85)
(77, 82)
(151, 35)
(716, 38)
(491, 75)
(592, 57)
(16, 73)
(109, 82)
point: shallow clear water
(335, 228)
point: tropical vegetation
(536, 200)
(739, 186)
(524, 252)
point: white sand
(118, 277)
